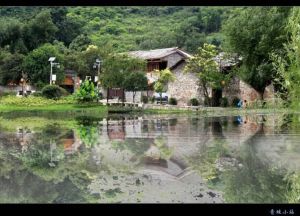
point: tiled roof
(157, 53)
(227, 60)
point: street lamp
(97, 64)
(52, 63)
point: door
(216, 97)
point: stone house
(186, 85)
(160, 59)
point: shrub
(3, 94)
(87, 92)
(37, 94)
(235, 101)
(152, 99)
(53, 92)
(172, 101)
(194, 102)
(207, 101)
(224, 102)
(144, 99)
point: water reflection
(151, 159)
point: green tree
(254, 33)
(39, 30)
(68, 28)
(164, 77)
(11, 31)
(135, 81)
(87, 92)
(116, 67)
(206, 68)
(10, 67)
(37, 66)
(80, 43)
(287, 62)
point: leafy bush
(194, 102)
(224, 102)
(144, 99)
(235, 101)
(53, 92)
(172, 101)
(87, 92)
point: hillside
(133, 28)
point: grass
(34, 123)
(99, 110)
(67, 107)
(212, 111)
(54, 110)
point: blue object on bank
(240, 104)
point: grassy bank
(211, 111)
(54, 110)
(68, 107)
(100, 110)
(39, 106)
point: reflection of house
(116, 131)
(70, 142)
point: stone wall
(184, 87)
(232, 90)
(240, 89)
(248, 93)
(269, 93)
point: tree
(37, 66)
(87, 92)
(39, 30)
(206, 68)
(286, 62)
(164, 77)
(68, 28)
(135, 81)
(254, 33)
(11, 31)
(116, 67)
(10, 67)
(80, 43)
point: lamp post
(52, 63)
(97, 64)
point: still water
(153, 158)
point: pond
(150, 159)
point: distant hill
(133, 28)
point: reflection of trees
(211, 150)
(140, 146)
(137, 146)
(257, 181)
(27, 177)
(88, 131)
